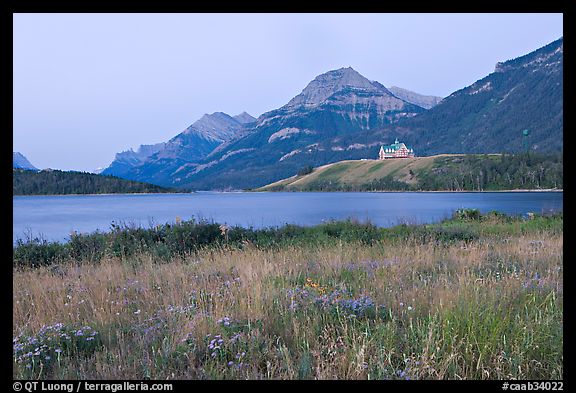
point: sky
(86, 86)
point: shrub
(467, 214)
(305, 170)
(37, 252)
(87, 247)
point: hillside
(55, 182)
(523, 93)
(445, 172)
(426, 102)
(490, 115)
(354, 173)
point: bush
(189, 236)
(453, 233)
(37, 252)
(467, 214)
(87, 247)
(305, 170)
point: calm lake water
(54, 217)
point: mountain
(245, 118)
(341, 115)
(156, 163)
(345, 92)
(125, 161)
(490, 116)
(426, 102)
(21, 162)
(337, 103)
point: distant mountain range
(338, 102)
(157, 163)
(342, 115)
(21, 162)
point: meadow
(473, 297)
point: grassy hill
(353, 173)
(55, 182)
(450, 172)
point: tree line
(56, 182)
(529, 171)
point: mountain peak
(244, 118)
(213, 124)
(217, 126)
(211, 117)
(342, 77)
(21, 162)
(325, 85)
(342, 71)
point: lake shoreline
(267, 191)
(112, 194)
(422, 191)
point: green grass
(333, 172)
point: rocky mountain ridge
(337, 102)
(192, 144)
(342, 115)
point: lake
(55, 217)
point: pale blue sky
(87, 86)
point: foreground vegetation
(453, 172)
(56, 182)
(474, 297)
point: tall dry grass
(485, 309)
